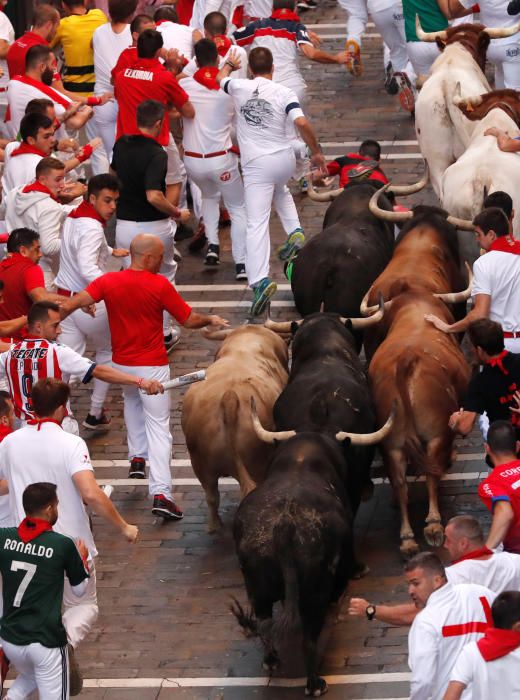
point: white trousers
(357, 18)
(76, 330)
(163, 229)
(422, 55)
(105, 120)
(39, 668)
(80, 612)
(506, 58)
(147, 421)
(390, 24)
(265, 183)
(218, 177)
(99, 159)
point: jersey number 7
(30, 570)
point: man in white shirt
(175, 36)
(489, 668)
(264, 109)
(496, 279)
(6, 39)
(84, 256)
(108, 42)
(209, 159)
(202, 8)
(42, 451)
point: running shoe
(172, 339)
(406, 96)
(262, 292)
(93, 423)
(166, 508)
(240, 272)
(363, 170)
(213, 255)
(303, 184)
(354, 64)
(307, 5)
(391, 86)
(137, 468)
(292, 245)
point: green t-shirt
(33, 578)
(432, 19)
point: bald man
(136, 299)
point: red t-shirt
(126, 58)
(146, 79)
(503, 484)
(343, 164)
(19, 275)
(18, 51)
(135, 301)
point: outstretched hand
(437, 322)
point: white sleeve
(79, 458)
(468, 4)
(6, 29)
(50, 220)
(71, 362)
(88, 251)
(464, 668)
(189, 69)
(481, 277)
(423, 651)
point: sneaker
(240, 272)
(212, 256)
(166, 508)
(183, 232)
(307, 5)
(391, 86)
(93, 423)
(137, 468)
(199, 239)
(406, 96)
(303, 184)
(262, 292)
(354, 65)
(292, 245)
(172, 339)
(224, 218)
(75, 677)
(363, 170)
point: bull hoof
(434, 534)
(409, 548)
(316, 687)
(271, 662)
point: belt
(207, 155)
(511, 334)
(65, 292)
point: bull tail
(413, 446)
(230, 406)
(289, 621)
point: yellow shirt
(75, 36)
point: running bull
(216, 414)
(293, 536)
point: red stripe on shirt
(267, 31)
(470, 627)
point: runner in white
(209, 159)
(264, 108)
(6, 39)
(202, 8)
(175, 36)
(356, 23)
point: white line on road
(330, 144)
(223, 288)
(233, 304)
(374, 35)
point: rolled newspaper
(185, 379)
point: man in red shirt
(22, 280)
(501, 490)
(368, 151)
(135, 300)
(45, 23)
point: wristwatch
(370, 611)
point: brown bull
(475, 108)
(216, 414)
(425, 371)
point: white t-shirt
(434, 640)
(259, 9)
(380, 5)
(210, 130)
(20, 170)
(497, 274)
(191, 67)
(84, 253)
(501, 572)
(177, 36)
(493, 13)
(108, 46)
(488, 679)
(19, 94)
(46, 452)
(7, 34)
(263, 109)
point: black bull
(337, 266)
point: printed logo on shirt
(138, 74)
(257, 111)
(513, 52)
(398, 17)
(225, 176)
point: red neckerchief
(223, 44)
(284, 13)
(31, 528)
(505, 244)
(162, 21)
(475, 554)
(25, 148)
(51, 93)
(497, 362)
(206, 76)
(86, 211)
(38, 187)
(497, 643)
(5, 430)
(40, 421)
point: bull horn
(360, 323)
(395, 216)
(501, 32)
(216, 335)
(466, 102)
(267, 435)
(457, 297)
(462, 224)
(403, 190)
(428, 36)
(324, 195)
(279, 326)
(370, 438)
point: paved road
(164, 629)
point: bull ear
(441, 43)
(294, 327)
(348, 324)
